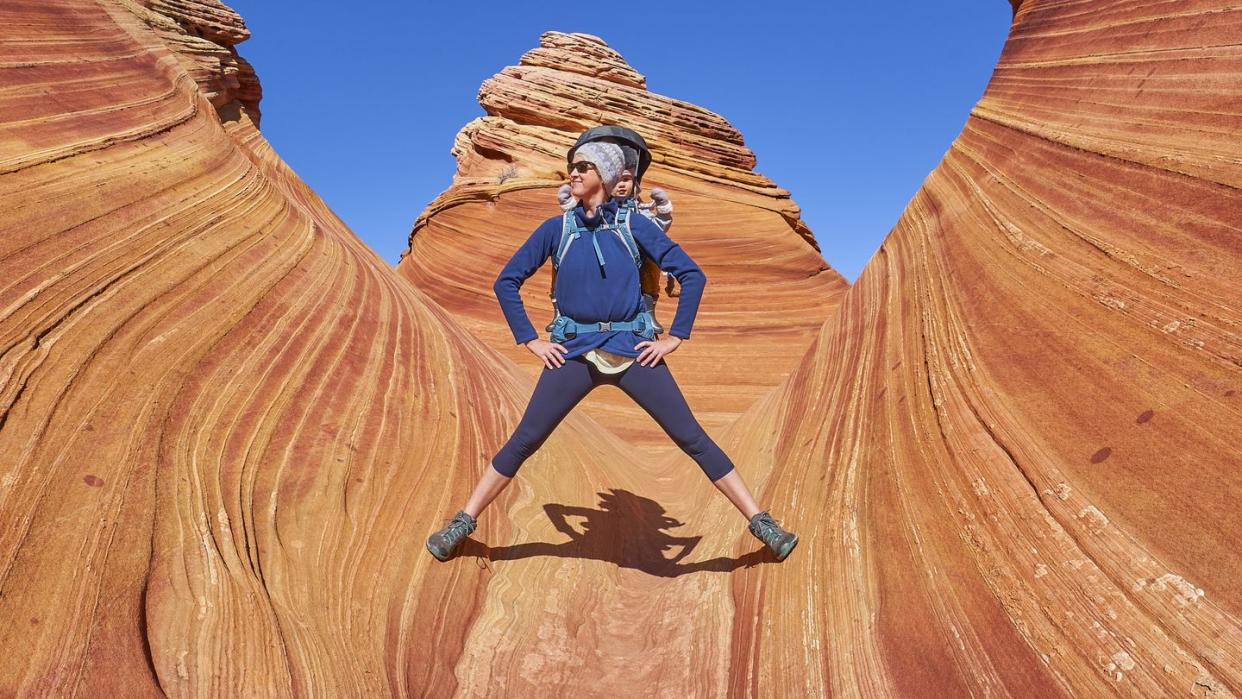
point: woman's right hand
(550, 352)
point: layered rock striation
(768, 290)
(1013, 450)
(227, 425)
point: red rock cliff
(227, 426)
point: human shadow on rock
(628, 530)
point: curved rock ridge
(202, 34)
(769, 288)
(228, 425)
(1012, 454)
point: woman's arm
(528, 258)
(672, 259)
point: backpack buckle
(560, 329)
(605, 326)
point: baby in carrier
(626, 192)
(659, 209)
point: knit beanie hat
(631, 164)
(631, 158)
(607, 159)
(628, 153)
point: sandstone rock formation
(1015, 454)
(768, 290)
(226, 425)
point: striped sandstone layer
(768, 289)
(1013, 452)
(227, 425)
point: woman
(589, 295)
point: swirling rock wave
(227, 425)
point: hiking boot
(778, 541)
(442, 543)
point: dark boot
(442, 543)
(778, 541)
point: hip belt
(565, 328)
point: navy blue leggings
(652, 387)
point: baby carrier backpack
(644, 323)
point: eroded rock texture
(227, 425)
(742, 229)
(1015, 453)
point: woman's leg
(654, 388)
(734, 488)
(490, 484)
(556, 393)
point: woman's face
(584, 184)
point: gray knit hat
(631, 158)
(631, 165)
(630, 155)
(607, 159)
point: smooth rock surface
(1015, 456)
(227, 425)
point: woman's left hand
(654, 350)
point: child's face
(625, 187)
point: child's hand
(566, 197)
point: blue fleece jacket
(589, 292)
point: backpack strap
(623, 227)
(569, 231)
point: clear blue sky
(847, 105)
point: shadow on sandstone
(628, 530)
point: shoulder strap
(623, 227)
(568, 226)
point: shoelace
(458, 524)
(765, 528)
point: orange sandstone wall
(1013, 452)
(226, 426)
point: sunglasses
(582, 166)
